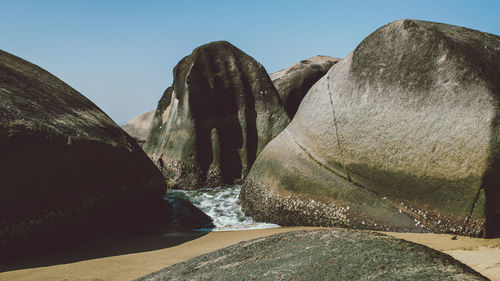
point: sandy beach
(483, 255)
(130, 257)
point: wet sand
(127, 258)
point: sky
(120, 54)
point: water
(222, 205)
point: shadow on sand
(115, 244)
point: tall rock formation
(219, 113)
(66, 168)
(402, 134)
(138, 127)
(293, 82)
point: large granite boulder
(138, 127)
(67, 169)
(293, 82)
(219, 113)
(321, 255)
(402, 134)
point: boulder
(293, 82)
(138, 127)
(67, 169)
(321, 255)
(402, 134)
(219, 113)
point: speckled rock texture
(66, 168)
(321, 255)
(405, 128)
(138, 127)
(219, 113)
(293, 82)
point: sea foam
(222, 205)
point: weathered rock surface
(66, 168)
(401, 134)
(138, 127)
(219, 113)
(321, 255)
(293, 82)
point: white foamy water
(222, 205)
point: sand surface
(483, 255)
(127, 258)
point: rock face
(293, 82)
(321, 255)
(401, 134)
(66, 168)
(219, 113)
(138, 127)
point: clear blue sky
(120, 54)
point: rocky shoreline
(400, 135)
(320, 255)
(263, 204)
(480, 254)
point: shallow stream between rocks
(222, 205)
